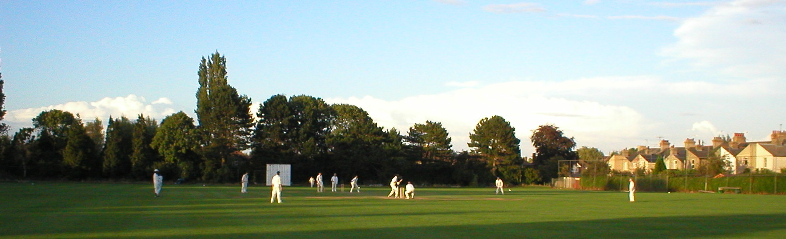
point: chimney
(642, 149)
(739, 139)
(690, 143)
(664, 144)
(778, 137)
(717, 142)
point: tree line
(226, 140)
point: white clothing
(334, 182)
(394, 187)
(311, 181)
(158, 181)
(410, 191)
(320, 184)
(244, 183)
(499, 186)
(276, 194)
(631, 189)
(354, 184)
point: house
(767, 155)
(692, 155)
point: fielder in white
(631, 189)
(394, 186)
(311, 181)
(244, 183)
(158, 181)
(320, 184)
(333, 182)
(499, 186)
(276, 182)
(354, 184)
(410, 191)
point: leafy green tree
(431, 142)
(271, 139)
(356, 144)
(311, 118)
(224, 118)
(660, 165)
(142, 154)
(95, 130)
(22, 149)
(3, 126)
(713, 165)
(118, 148)
(551, 146)
(494, 139)
(52, 127)
(79, 156)
(176, 140)
(592, 161)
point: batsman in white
(158, 181)
(276, 183)
(320, 184)
(410, 191)
(394, 186)
(499, 184)
(354, 184)
(244, 183)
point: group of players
(409, 189)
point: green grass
(103, 210)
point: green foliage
(531, 176)
(143, 155)
(118, 149)
(494, 139)
(224, 117)
(176, 140)
(660, 166)
(550, 147)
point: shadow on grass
(740, 226)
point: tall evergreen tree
(118, 148)
(79, 156)
(494, 139)
(224, 118)
(431, 140)
(142, 154)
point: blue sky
(612, 74)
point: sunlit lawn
(105, 210)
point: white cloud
(683, 4)
(591, 2)
(460, 110)
(577, 15)
(451, 2)
(129, 106)
(609, 113)
(523, 7)
(466, 84)
(636, 17)
(706, 128)
(742, 38)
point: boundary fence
(748, 183)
